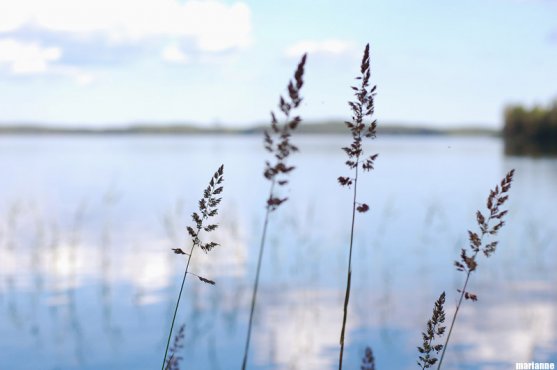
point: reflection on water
(88, 280)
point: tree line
(531, 130)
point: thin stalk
(177, 304)
(462, 293)
(496, 199)
(362, 108)
(277, 142)
(256, 283)
(453, 320)
(349, 277)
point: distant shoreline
(321, 128)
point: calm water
(88, 280)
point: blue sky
(107, 62)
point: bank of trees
(531, 130)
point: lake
(88, 279)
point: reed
(428, 349)
(362, 108)
(277, 142)
(368, 361)
(488, 227)
(208, 208)
(173, 361)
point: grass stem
(349, 276)
(208, 208)
(497, 198)
(277, 142)
(362, 108)
(176, 308)
(256, 282)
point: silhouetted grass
(208, 208)
(362, 108)
(277, 142)
(468, 263)
(428, 349)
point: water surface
(88, 280)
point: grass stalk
(460, 299)
(349, 274)
(497, 198)
(428, 350)
(362, 107)
(164, 363)
(256, 282)
(208, 208)
(277, 142)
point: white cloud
(214, 26)
(27, 58)
(174, 54)
(30, 26)
(327, 47)
(30, 58)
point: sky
(102, 63)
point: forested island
(531, 131)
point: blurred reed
(277, 142)
(368, 361)
(173, 361)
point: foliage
(531, 131)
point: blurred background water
(88, 279)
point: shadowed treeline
(531, 131)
